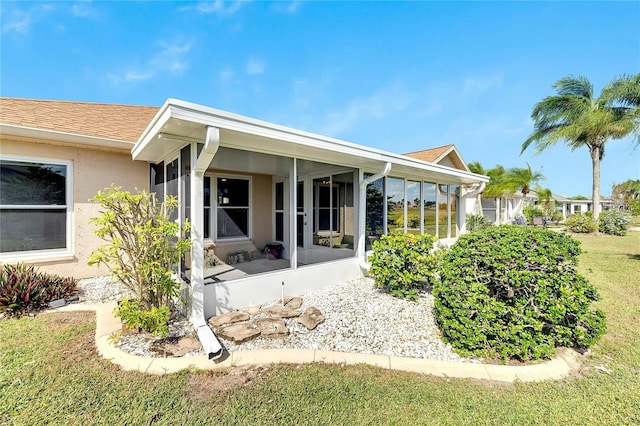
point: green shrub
(142, 248)
(476, 222)
(581, 223)
(614, 222)
(413, 220)
(24, 289)
(514, 292)
(154, 320)
(532, 211)
(403, 263)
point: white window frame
(214, 209)
(275, 210)
(36, 255)
(331, 208)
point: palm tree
(575, 116)
(520, 179)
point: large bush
(403, 263)
(143, 245)
(614, 222)
(514, 292)
(23, 289)
(581, 223)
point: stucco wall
(93, 170)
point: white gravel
(363, 319)
(359, 318)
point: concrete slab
(440, 368)
(272, 356)
(349, 358)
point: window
(35, 202)
(325, 205)
(207, 207)
(233, 210)
(279, 211)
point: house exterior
(55, 155)
(273, 210)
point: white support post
(293, 208)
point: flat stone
(183, 346)
(239, 332)
(292, 302)
(311, 317)
(271, 327)
(228, 318)
(251, 310)
(282, 311)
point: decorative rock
(272, 327)
(239, 332)
(311, 318)
(292, 302)
(228, 318)
(282, 311)
(182, 346)
(251, 310)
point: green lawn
(50, 374)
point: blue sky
(393, 75)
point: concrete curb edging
(557, 368)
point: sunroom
(276, 210)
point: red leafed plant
(24, 289)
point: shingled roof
(436, 155)
(110, 121)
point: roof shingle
(110, 121)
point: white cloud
(170, 59)
(131, 76)
(291, 7)
(386, 101)
(218, 7)
(479, 85)
(226, 76)
(20, 21)
(83, 10)
(254, 67)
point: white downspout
(208, 340)
(462, 218)
(362, 213)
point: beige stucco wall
(93, 170)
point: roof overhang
(179, 122)
(54, 135)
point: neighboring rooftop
(110, 121)
(437, 155)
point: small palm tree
(575, 116)
(520, 179)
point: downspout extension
(362, 214)
(463, 204)
(207, 338)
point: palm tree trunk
(596, 156)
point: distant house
(283, 209)
(449, 156)
(570, 206)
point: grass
(50, 374)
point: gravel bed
(359, 318)
(362, 319)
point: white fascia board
(54, 135)
(152, 130)
(182, 110)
